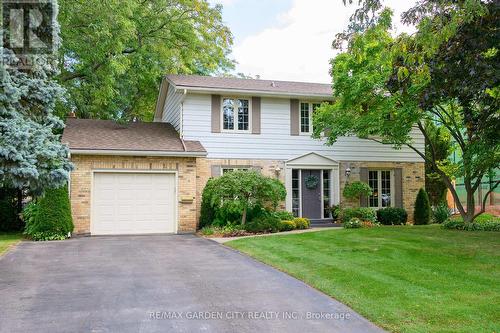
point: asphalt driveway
(175, 283)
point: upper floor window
(235, 114)
(381, 183)
(306, 112)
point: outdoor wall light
(347, 172)
(277, 171)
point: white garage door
(133, 203)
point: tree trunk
(244, 216)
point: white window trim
(310, 116)
(379, 182)
(235, 115)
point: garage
(133, 203)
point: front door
(311, 194)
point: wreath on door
(311, 182)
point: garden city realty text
(248, 315)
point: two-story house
(149, 177)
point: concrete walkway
(176, 283)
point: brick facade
(80, 185)
(413, 179)
(193, 174)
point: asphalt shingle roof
(92, 134)
(269, 86)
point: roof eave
(250, 92)
(124, 152)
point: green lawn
(404, 279)
(7, 240)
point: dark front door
(311, 195)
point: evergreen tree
(422, 213)
(31, 154)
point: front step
(324, 223)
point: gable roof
(264, 87)
(108, 137)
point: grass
(7, 240)
(404, 279)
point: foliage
(283, 215)
(240, 191)
(446, 72)
(287, 225)
(442, 145)
(114, 53)
(441, 213)
(422, 212)
(50, 217)
(302, 223)
(31, 155)
(207, 211)
(263, 224)
(356, 190)
(9, 221)
(362, 213)
(335, 211)
(486, 224)
(392, 216)
(353, 223)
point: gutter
(118, 152)
(255, 92)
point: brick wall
(80, 190)
(413, 179)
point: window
(306, 112)
(326, 194)
(381, 183)
(226, 170)
(235, 114)
(296, 193)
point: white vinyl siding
(275, 141)
(172, 109)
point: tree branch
(483, 204)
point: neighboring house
(149, 177)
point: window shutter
(294, 117)
(255, 115)
(216, 111)
(216, 171)
(398, 188)
(363, 176)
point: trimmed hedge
(392, 216)
(362, 213)
(287, 225)
(49, 218)
(422, 213)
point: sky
(290, 39)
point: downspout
(181, 125)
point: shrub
(392, 216)
(231, 197)
(353, 223)
(367, 224)
(207, 211)
(9, 220)
(263, 224)
(362, 213)
(357, 189)
(51, 218)
(283, 215)
(484, 222)
(302, 223)
(287, 225)
(207, 231)
(422, 213)
(441, 213)
(335, 210)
